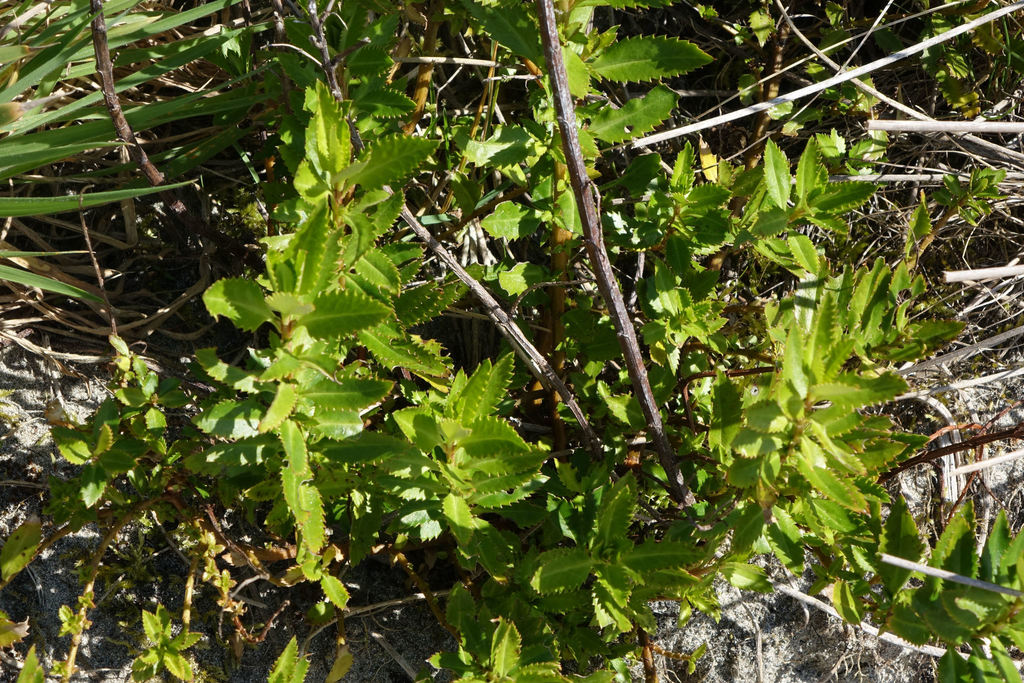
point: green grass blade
(35, 206)
(24, 277)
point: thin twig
(933, 178)
(953, 127)
(105, 71)
(969, 140)
(829, 82)
(1016, 432)
(960, 354)
(584, 191)
(646, 656)
(759, 642)
(184, 218)
(535, 361)
(85, 602)
(929, 650)
(96, 267)
(320, 41)
(949, 576)
(403, 562)
(461, 61)
(399, 659)
(989, 462)
(979, 274)
(397, 602)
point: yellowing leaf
(708, 160)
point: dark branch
(584, 191)
(105, 71)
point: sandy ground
(759, 638)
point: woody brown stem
(105, 72)
(769, 91)
(584, 191)
(425, 72)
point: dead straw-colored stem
(949, 576)
(892, 638)
(989, 462)
(953, 127)
(842, 77)
(979, 274)
(584, 192)
(997, 151)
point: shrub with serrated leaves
(349, 434)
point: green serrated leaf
(381, 103)
(635, 118)
(615, 515)
(746, 577)
(511, 221)
(850, 391)
(776, 175)
(900, 539)
(347, 393)
(839, 198)
(648, 58)
(240, 301)
(920, 227)
(726, 413)
(810, 175)
(610, 608)
(377, 276)
(314, 252)
(425, 302)
(996, 545)
(786, 541)
(20, 548)
(748, 527)
(1001, 659)
(813, 467)
(508, 146)
(505, 646)
(955, 549)
(492, 436)
(233, 377)
(391, 160)
(652, 555)
(280, 408)
(560, 570)
(485, 388)
(804, 253)
(460, 517)
(231, 419)
(334, 590)
(846, 603)
(411, 353)
(905, 623)
(336, 314)
(509, 23)
(302, 498)
(93, 483)
(289, 667)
